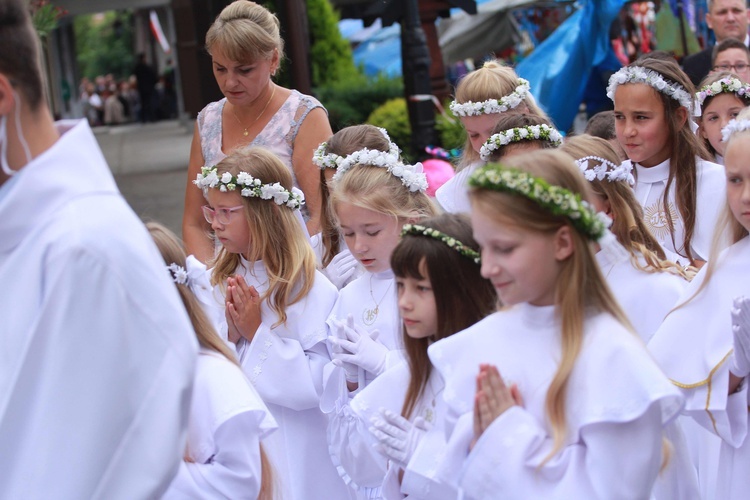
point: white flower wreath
(728, 84)
(331, 160)
(638, 74)
(490, 106)
(179, 273)
(606, 170)
(250, 187)
(733, 127)
(528, 133)
(412, 176)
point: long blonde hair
(628, 225)
(492, 81)
(276, 235)
(343, 143)
(245, 32)
(580, 287)
(172, 251)
(374, 188)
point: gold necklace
(369, 316)
(245, 133)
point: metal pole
(415, 60)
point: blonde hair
(276, 235)
(684, 147)
(374, 188)
(628, 224)
(492, 81)
(172, 251)
(580, 287)
(245, 32)
(343, 143)
(708, 80)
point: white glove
(352, 371)
(397, 437)
(739, 363)
(360, 347)
(342, 268)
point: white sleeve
(233, 472)
(726, 415)
(282, 371)
(505, 462)
(350, 444)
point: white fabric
(453, 196)
(331, 271)
(285, 365)
(617, 400)
(711, 195)
(692, 347)
(646, 297)
(227, 421)
(98, 354)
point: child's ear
(413, 217)
(564, 244)
(682, 116)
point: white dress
(360, 298)
(692, 347)
(98, 355)
(618, 399)
(711, 195)
(228, 420)
(285, 365)
(453, 196)
(645, 297)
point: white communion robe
(618, 399)
(228, 420)
(453, 196)
(710, 199)
(646, 297)
(98, 354)
(692, 347)
(360, 300)
(285, 365)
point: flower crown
(417, 230)
(528, 133)
(556, 199)
(728, 84)
(331, 160)
(733, 127)
(606, 170)
(490, 106)
(412, 176)
(250, 187)
(179, 274)
(638, 74)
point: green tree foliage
(394, 117)
(330, 53)
(104, 44)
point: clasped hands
(242, 309)
(354, 348)
(493, 398)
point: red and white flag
(158, 32)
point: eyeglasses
(729, 67)
(221, 215)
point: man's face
(728, 19)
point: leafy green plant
(330, 53)
(44, 16)
(350, 101)
(105, 44)
(393, 116)
(452, 133)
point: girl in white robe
(404, 400)
(482, 97)
(275, 304)
(373, 194)
(334, 258)
(645, 283)
(697, 345)
(224, 456)
(580, 408)
(680, 192)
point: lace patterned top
(277, 136)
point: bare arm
(314, 130)
(195, 229)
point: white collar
(648, 175)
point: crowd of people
(567, 317)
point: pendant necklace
(369, 316)
(245, 132)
